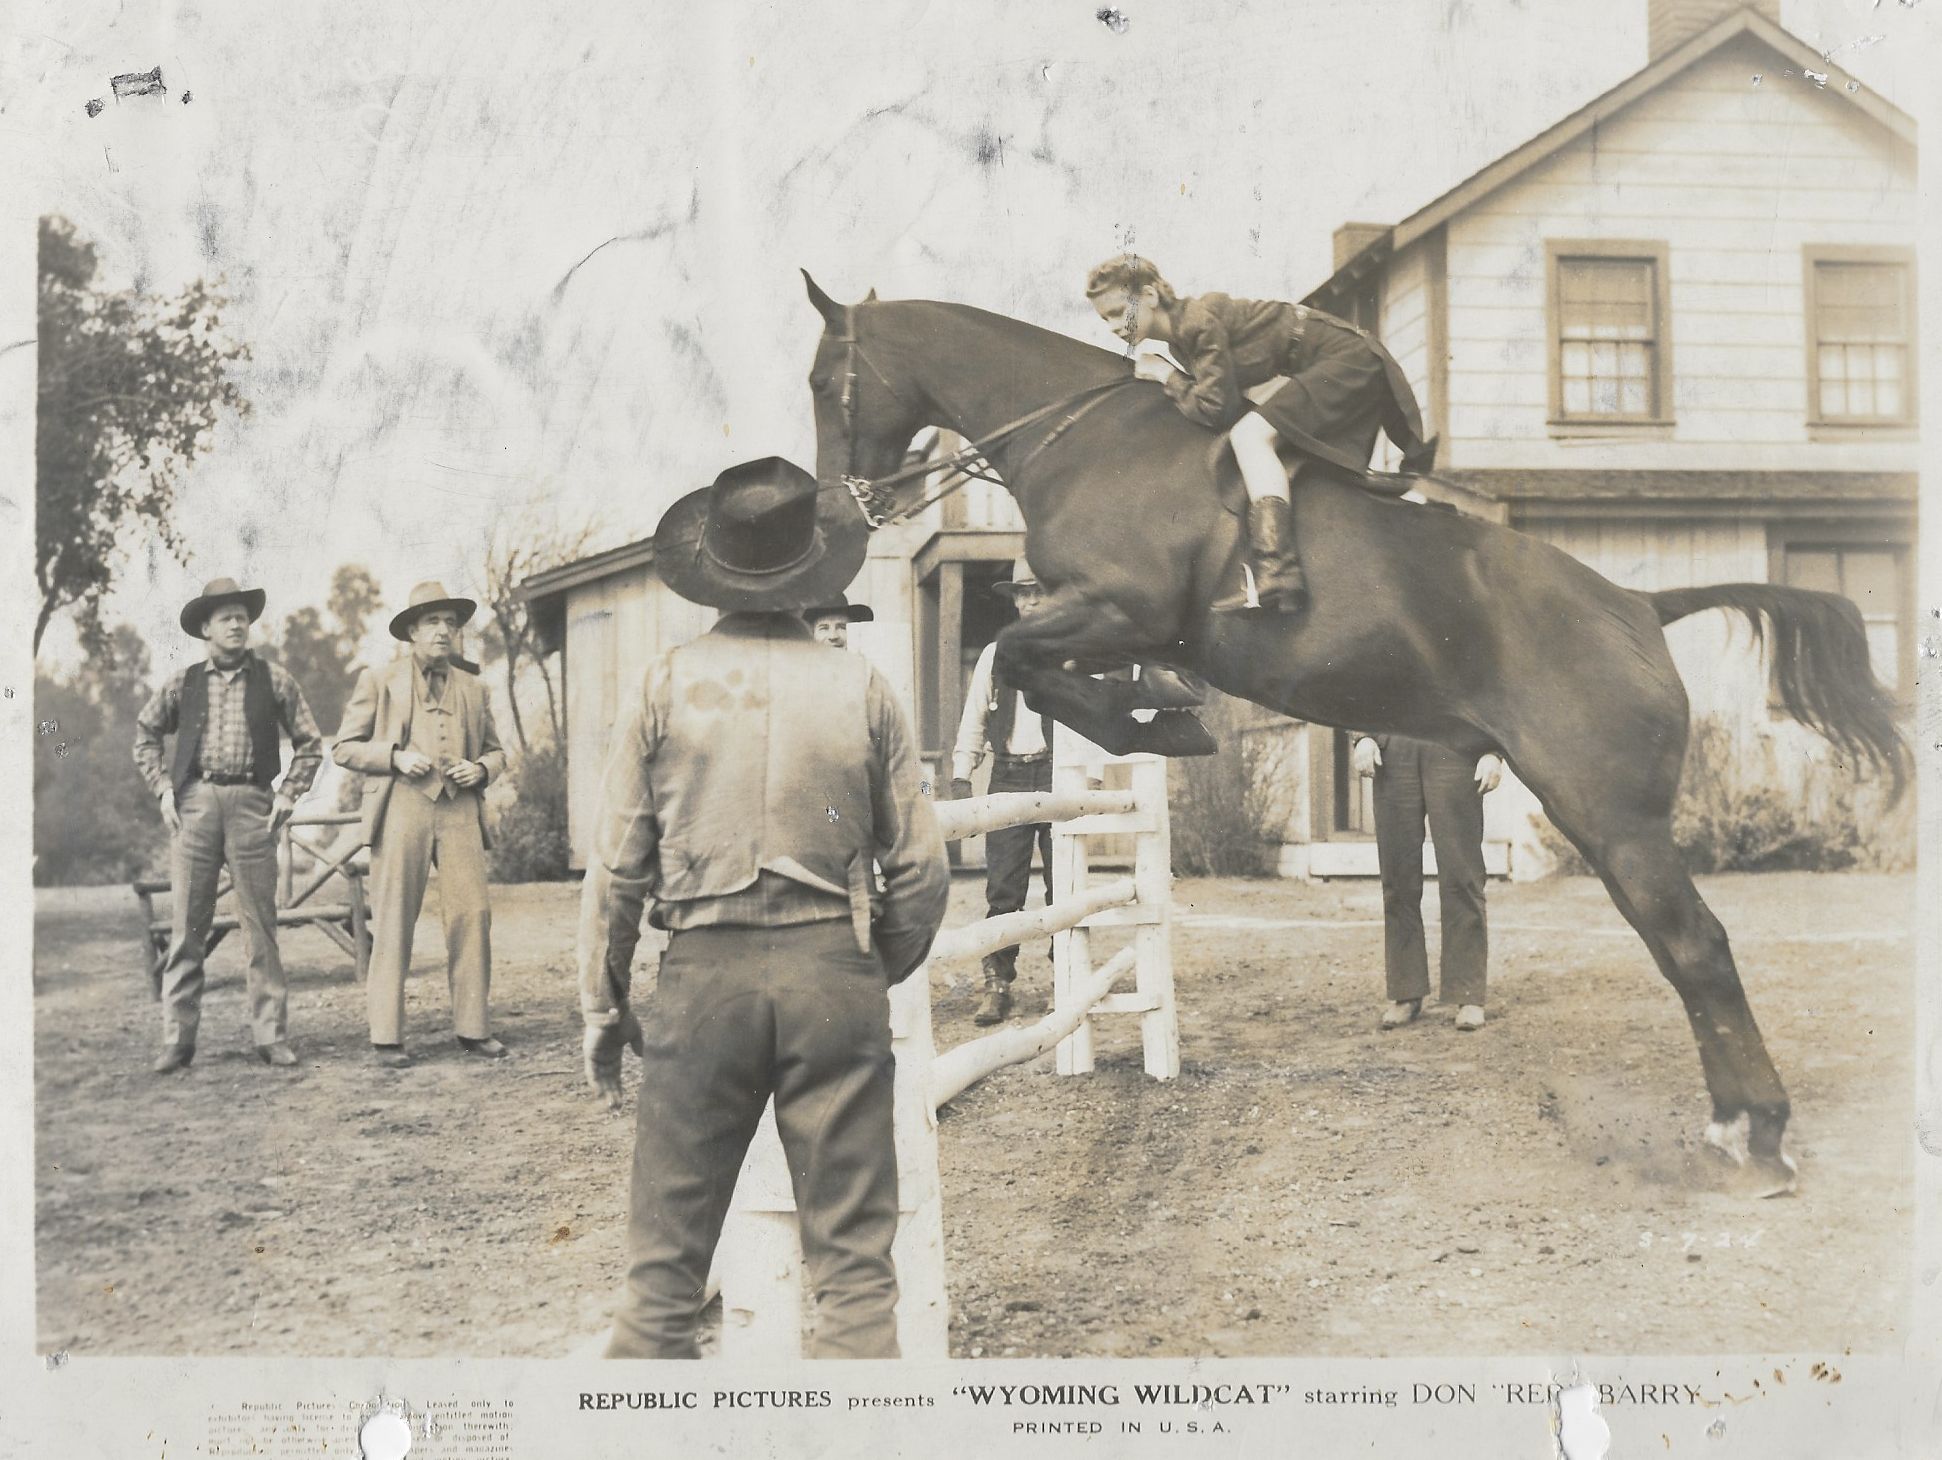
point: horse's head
(863, 423)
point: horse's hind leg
(1628, 840)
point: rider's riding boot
(1422, 461)
(1270, 539)
(996, 1003)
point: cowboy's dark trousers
(741, 1013)
(1008, 853)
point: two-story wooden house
(1675, 336)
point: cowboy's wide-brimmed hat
(424, 598)
(215, 593)
(763, 535)
(1022, 576)
(856, 613)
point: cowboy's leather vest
(259, 710)
(763, 764)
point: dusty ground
(1308, 1186)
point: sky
(498, 259)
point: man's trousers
(740, 1014)
(1416, 780)
(416, 834)
(1008, 853)
(223, 824)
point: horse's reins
(876, 499)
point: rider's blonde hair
(1132, 273)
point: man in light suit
(420, 729)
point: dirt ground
(1308, 1186)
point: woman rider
(1342, 386)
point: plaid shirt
(225, 748)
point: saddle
(1232, 491)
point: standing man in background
(1418, 780)
(997, 720)
(420, 730)
(225, 713)
(751, 785)
(830, 622)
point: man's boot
(1271, 545)
(996, 1003)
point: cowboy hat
(763, 535)
(1022, 576)
(856, 613)
(215, 593)
(424, 598)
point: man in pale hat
(754, 778)
(226, 712)
(997, 721)
(830, 622)
(420, 730)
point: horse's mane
(1088, 364)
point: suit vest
(763, 764)
(1002, 712)
(259, 711)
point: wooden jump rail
(345, 923)
(759, 1259)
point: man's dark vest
(1002, 715)
(259, 710)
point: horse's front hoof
(1174, 733)
(1161, 688)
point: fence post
(1153, 875)
(760, 1261)
(1151, 919)
(759, 1257)
(923, 1309)
(1071, 870)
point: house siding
(1737, 178)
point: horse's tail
(1820, 664)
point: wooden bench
(346, 923)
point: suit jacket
(378, 721)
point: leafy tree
(516, 547)
(94, 820)
(320, 648)
(131, 389)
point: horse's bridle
(877, 500)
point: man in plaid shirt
(225, 714)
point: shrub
(1226, 809)
(529, 839)
(94, 820)
(1735, 814)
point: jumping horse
(1425, 623)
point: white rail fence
(759, 1261)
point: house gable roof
(1554, 139)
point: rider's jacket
(1341, 381)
